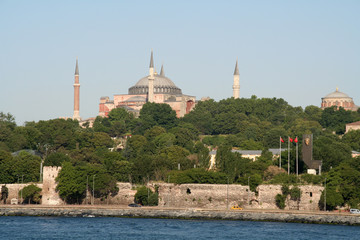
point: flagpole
(297, 157)
(288, 155)
(280, 153)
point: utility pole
(288, 155)
(227, 194)
(148, 190)
(87, 189)
(93, 189)
(22, 181)
(169, 191)
(41, 168)
(297, 157)
(248, 190)
(325, 196)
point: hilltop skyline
(299, 51)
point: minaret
(76, 93)
(162, 73)
(151, 79)
(236, 86)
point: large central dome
(337, 94)
(162, 85)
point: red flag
(291, 140)
(296, 140)
(282, 140)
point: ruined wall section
(212, 196)
(14, 190)
(221, 196)
(125, 196)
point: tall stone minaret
(76, 93)
(151, 79)
(236, 86)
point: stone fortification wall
(14, 190)
(210, 196)
(310, 196)
(125, 195)
(221, 196)
(214, 196)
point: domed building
(153, 88)
(338, 99)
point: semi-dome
(162, 84)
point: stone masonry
(210, 196)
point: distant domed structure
(162, 90)
(338, 99)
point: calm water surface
(139, 228)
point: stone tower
(76, 93)
(151, 79)
(236, 85)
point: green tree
(7, 164)
(280, 201)
(176, 155)
(155, 114)
(335, 119)
(27, 167)
(56, 159)
(154, 132)
(202, 154)
(333, 199)
(71, 183)
(31, 194)
(146, 197)
(352, 139)
(313, 113)
(4, 193)
(58, 133)
(227, 161)
(331, 151)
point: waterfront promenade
(181, 213)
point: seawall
(256, 215)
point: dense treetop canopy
(158, 146)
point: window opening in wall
(310, 194)
(188, 191)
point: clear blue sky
(296, 50)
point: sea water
(144, 228)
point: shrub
(295, 194)
(272, 171)
(146, 197)
(285, 190)
(198, 175)
(312, 179)
(333, 199)
(284, 178)
(280, 201)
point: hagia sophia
(152, 88)
(158, 88)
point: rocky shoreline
(248, 215)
